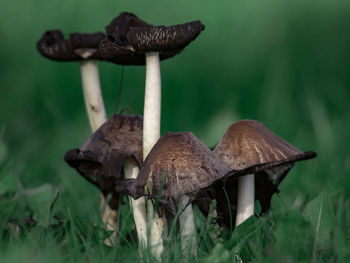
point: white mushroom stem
(156, 227)
(246, 197)
(97, 116)
(187, 227)
(92, 94)
(152, 106)
(151, 134)
(131, 171)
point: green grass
(285, 64)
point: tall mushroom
(138, 38)
(83, 48)
(247, 143)
(181, 166)
(153, 42)
(117, 144)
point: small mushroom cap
(185, 163)
(77, 47)
(128, 33)
(249, 145)
(100, 159)
(117, 30)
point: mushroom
(181, 166)
(153, 42)
(83, 48)
(248, 143)
(115, 145)
(139, 39)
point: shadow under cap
(248, 144)
(100, 159)
(186, 164)
(77, 46)
(127, 34)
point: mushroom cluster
(126, 153)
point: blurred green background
(283, 63)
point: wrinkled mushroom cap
(118, 28)
(100, 159)
(248, 142)
(127, 35)
(163, 38)
(77, 46)
(185, 163)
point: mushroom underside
(107, 175)
(111, 51)
(268, 176)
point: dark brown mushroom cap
(100, 159)
(116, 33)
(162, 38)
(249, 145)
(185, 163)
(129, 34)
(77, 47)
(117, 30)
